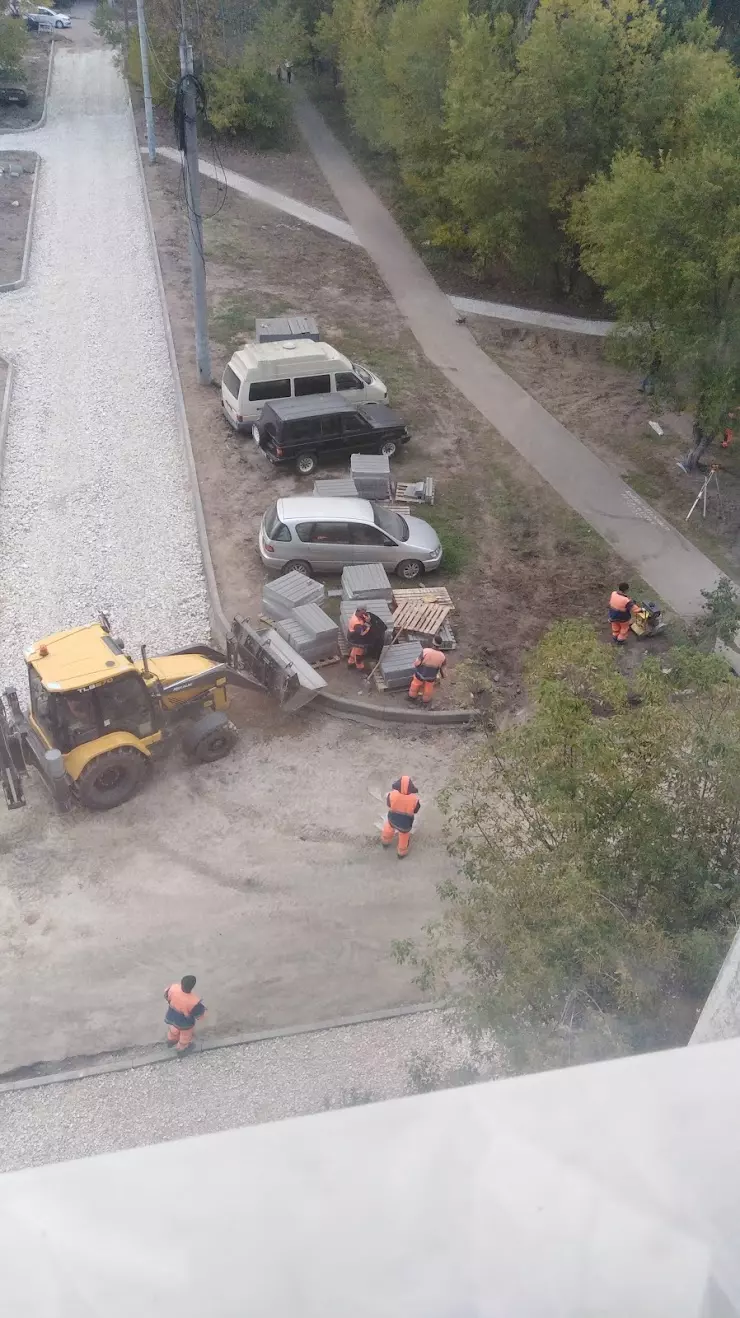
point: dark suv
(305, 430)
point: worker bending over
(403, 803)
(358, 629)
(428, 669)
(621, 608)
(184, 1008)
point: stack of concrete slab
(313, 635)
(282, 596)
(396, 666)
(342, 488)
(371, 473)
(366, 581)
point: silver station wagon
(311, 534)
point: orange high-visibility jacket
(357, 628)
(429, 664)
(620, 607)
(183, 1009)
(403, 803)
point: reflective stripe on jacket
(429, 664)
(402, 806)
(620, 607)
(357, 628)
(184, 1009)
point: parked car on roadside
(258, 373)
(306, 431)
(13, 90)
(57, 19)
(310, 534)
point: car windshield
(393, 523)
(363, 373)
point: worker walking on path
(403, 804)
(428, 669)
(358, 629)
(184, 1008)
(621, 608)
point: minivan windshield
(392, 523)
(363, 373)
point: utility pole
(189, 143)
(151, 141)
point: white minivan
(294, 368)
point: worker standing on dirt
(358, 629)
(428, 670)
(621, 608)
(184, 1008)
(403, 804)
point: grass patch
(644, 485)
(451, 520)
(231, 322)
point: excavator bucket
(268, 660)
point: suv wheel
(297, 565)
(307, 463)
(389, 448)
(409, 569)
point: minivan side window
(346, 380)
(370, 535)
(312, 384)
(261, 390)
(324, 533)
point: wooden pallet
(423, 594)
(421, 617)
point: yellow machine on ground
(97, 717)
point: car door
(329, 545)
(332, 439)
(371, 545)
(357, 435)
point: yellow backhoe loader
(97, 718)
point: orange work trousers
(356, 658)
(620, 631)
(418, 685)
(404, 839)
(183, 1038)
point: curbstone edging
(31, 128)
(231, 1041)
(5, 410)
(18, 283)
(344, 707)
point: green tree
(13, 45)
(279, 34)
(598, 847)
(245, 99)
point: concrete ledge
(40, 122)
(5, 411)
(210, 1045)
(360, 712)
(18, 283)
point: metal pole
(149, 113)
(195, 220)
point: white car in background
(58, 20)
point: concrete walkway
(319, 219)
(673, 567)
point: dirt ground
(15, 203)
(602, 405)
(36, 68)
(515, 557)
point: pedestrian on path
(621, 608)
(403, 805)
(184, 1008)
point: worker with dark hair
(428, 669)
(621, 608)
(358, 629)
(403, 804)
(184, 1008)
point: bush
(164, 66)
(246, 101)
(13, 44)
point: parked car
(307, 430)
(325, 535)
(58, 20)
(13, 91)
(292, 368)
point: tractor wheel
(111, 779)
(211, 737)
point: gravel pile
(230, 1087)
(95, 509)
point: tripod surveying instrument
(711, 478)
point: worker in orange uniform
(184, 1008)
(428, 669)
(403, 803)
(621, 608)
(358, 629)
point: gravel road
(226, 1088)
(95, 507)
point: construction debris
(414, 491)
(371, 473)
(366, 581)
(282, 596)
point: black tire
(410, 569)
(211, 737)
(298, 565)
(389, 449)
(306, 464)
(59, 23)
(111, 778)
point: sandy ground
(15, 203)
